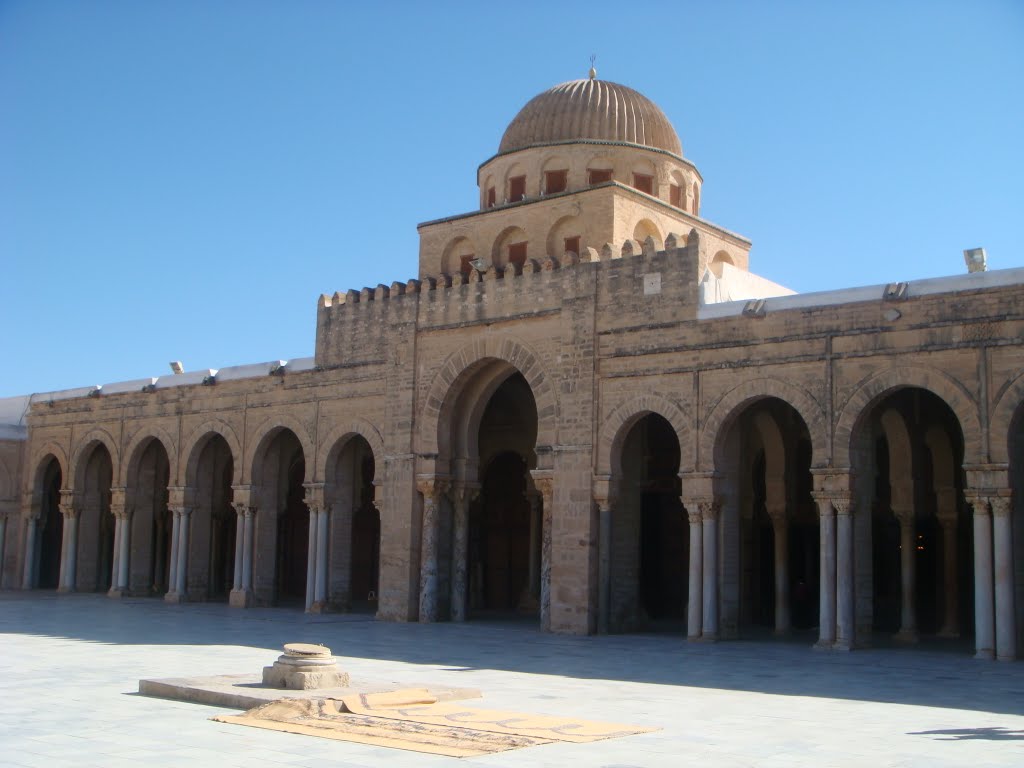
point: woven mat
(413, 720)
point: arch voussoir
(732, 402)
(943, 386)
(626, 414)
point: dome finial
(593, 72)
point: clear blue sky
(182, 179)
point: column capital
(462, 491)
(824, 500)
(709, 509)
(313, 496)
(977, 500)
(431, 487)
(241, 508)
(243, 494)
(604, 491)
(180, 496)
(1000, 505)
(181, 510)
(694, 516)
(542, 478)
(777, 512)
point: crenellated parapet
(353, 326)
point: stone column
(28, 571)
(124, 557)
(185, 513)
(695, 586)
(845, 614)
(827, 567)
(322, 552)
(461, 495)
(122, 540)
(546, 486)
(780, 531)
(536, 534)
(314, 521)
(908, 557)
(242, 497)
(431, 488)
(709, 511)
(984, 593)
(1002, 541)
(947, 517)
(236, 584)
(604, 563)
(172, 575)
(69, 550)
(247, 552)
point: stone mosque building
(584, 410)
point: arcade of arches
(278, 541)
(904, 551)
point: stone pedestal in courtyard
(304, 667)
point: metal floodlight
(177, 367)
(976, 260)
(479, 265)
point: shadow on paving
(904, 676)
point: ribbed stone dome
(594, 110)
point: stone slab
(245, 691)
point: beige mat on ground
(413, 720)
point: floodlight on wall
(177, 367)
(479, 265)
(976, 260)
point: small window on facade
(644, 183)
(465, 264)
(572, 245)
(599, 175)
(490, 197)
(516, 188)
(555, 181)
(517, 255)
(675, 195)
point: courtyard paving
(70, 665)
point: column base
(175, 598)
(842, 645)
(706, 638)
(1008, 657)
(985, 654)
(66, 590)
(949, 634)
(784, 632)
(824, 645)
(117, 594)
(240, 598)
(906, 636)
(319, 607)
